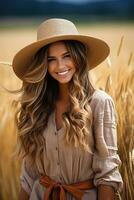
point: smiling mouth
(63, 73)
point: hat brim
(97, 51)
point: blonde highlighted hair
(38, 102)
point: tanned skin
(23, 195)
(106, 192)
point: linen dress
(68, 165)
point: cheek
(71, 64)
(50, 68)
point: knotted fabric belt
(76, 189)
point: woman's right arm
(23, 195)
(28, 176)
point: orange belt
(75, 189)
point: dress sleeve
(28, 175)
(106, 160)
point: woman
(67, 129)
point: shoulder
(100, 96)
(101, 101)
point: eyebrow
(62, 55)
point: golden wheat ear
(120, 45)
(5, 63)
(4, 88)
(108, 61)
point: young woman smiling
(66, 127)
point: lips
(63, 72)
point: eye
(50, 59)
(67, 56)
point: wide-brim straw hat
(53, 30)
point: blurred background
(83, 10)
(110, 20)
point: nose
(60, 64)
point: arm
(106, 192)
(28, 176)
(106, 160)
(23, 195)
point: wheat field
(115, 76)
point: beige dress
(69, 165)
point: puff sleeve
(106, 160)
(28, 175)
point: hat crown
(56, 27)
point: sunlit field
(115, 76)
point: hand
(106, 192)
(23, 195)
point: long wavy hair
(38, 100)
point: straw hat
(53, 30)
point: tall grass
(9, 168)
(117, 80)
(121, 88)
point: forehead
(57, 47)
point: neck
(63, 93)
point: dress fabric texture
(68, 165)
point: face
(60, 64)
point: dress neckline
(54, 122)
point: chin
(63, 82)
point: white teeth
(62, 73)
